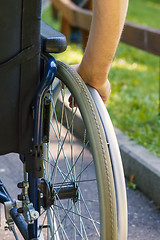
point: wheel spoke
(71, 170)
(79, 176)
(73, 206)
(77, 214)
(67, 213)
(61, 144)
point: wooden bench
(141, 37)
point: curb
(143, 165)
(137, 161)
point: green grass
(145, 12)
(134, 77)
(133, 104)
(47, 17)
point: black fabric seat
(19, 72)
(21, 44)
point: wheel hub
(60, 191)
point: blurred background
(135, 73)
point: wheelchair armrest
(52, 41)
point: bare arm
(106, 28)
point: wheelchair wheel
(81, 200)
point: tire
(117, 167)
(84, 205)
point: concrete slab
(141, 164)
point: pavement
(45, 3)
(143, 214)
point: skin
(106, 28)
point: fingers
(72, 102)
(104, 91)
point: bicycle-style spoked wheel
(80, 195)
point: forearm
(106, 28)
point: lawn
(134, 78)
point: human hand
(104, 89)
